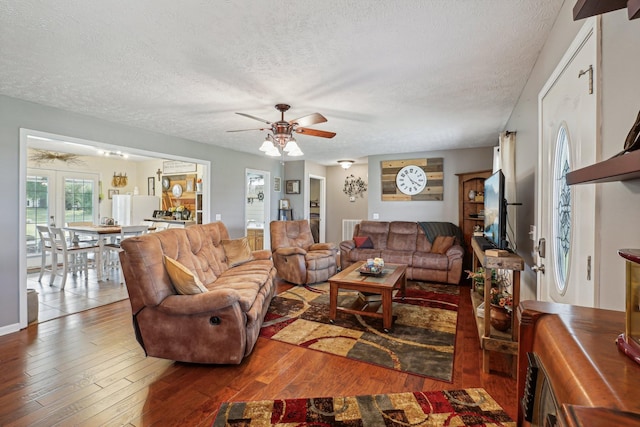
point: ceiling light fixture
(113, 154)
(346, 164)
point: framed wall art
(412, 179)
(293, 186)
(277, 182)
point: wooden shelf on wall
(621, 168)
(586, 8)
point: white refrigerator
(131, 210)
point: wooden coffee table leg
(387, 310)
(333, 301)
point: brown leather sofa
(217, 326)
(403, 242)
(297, 258)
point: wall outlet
(218, 217)
(376, 216)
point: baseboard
(9, 329)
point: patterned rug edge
(466, 407)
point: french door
(57, 198)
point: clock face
(411, 180)
(165, 183)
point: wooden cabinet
(470, 210)
(255, 238)
(490, 338)
(198, 213)
(575, 347)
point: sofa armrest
(455, 252)
(290, 251)
(323, 247)
(347, 245)
(206, 302)
(262, 254)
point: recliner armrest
(455, 252)
(347, 245)
(216, 299)
(261, 254)
(290, 251)
(323, 247)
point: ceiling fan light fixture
(295, 153)
(273, 151)
(346, 164)
(266, 145)
(292, 145)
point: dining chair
(73, 255)
(113, 248)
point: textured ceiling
(390, 76)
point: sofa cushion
(402, 236)
(185, 282)
(237, 251)
(441, 244)
(377, 230)
(363, 242)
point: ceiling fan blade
(255, 118)
(309, 120)
(315, 132)
(244, 130)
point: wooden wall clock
(412, 179)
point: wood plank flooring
(87, 369)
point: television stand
(491, 339)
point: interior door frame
(591, 27)
(266, 235)
(322, 231)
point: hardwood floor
(87, 369)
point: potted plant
(478, 279)
(501, 308)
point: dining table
(100, 233)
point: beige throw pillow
(237, 251)
(441, 244)
(185, 282)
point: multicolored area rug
(471, 407)
(421, 340)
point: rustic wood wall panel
(433, 167)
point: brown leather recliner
(297, 258)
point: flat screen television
(495, 211)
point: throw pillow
(441, 244)
(363, 242)
(185, 282)
(237, 251)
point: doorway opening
(81, 189)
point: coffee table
(393, 277)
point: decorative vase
(500, 318)
(472, 195)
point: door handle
(541, 248)
(538, 268)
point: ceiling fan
(282, 130)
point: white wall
(617, 203)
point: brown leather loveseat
(431, 250)
(219, 325)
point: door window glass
(37, 210)
(562, 209)
(78, 200)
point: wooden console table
(491, 339)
